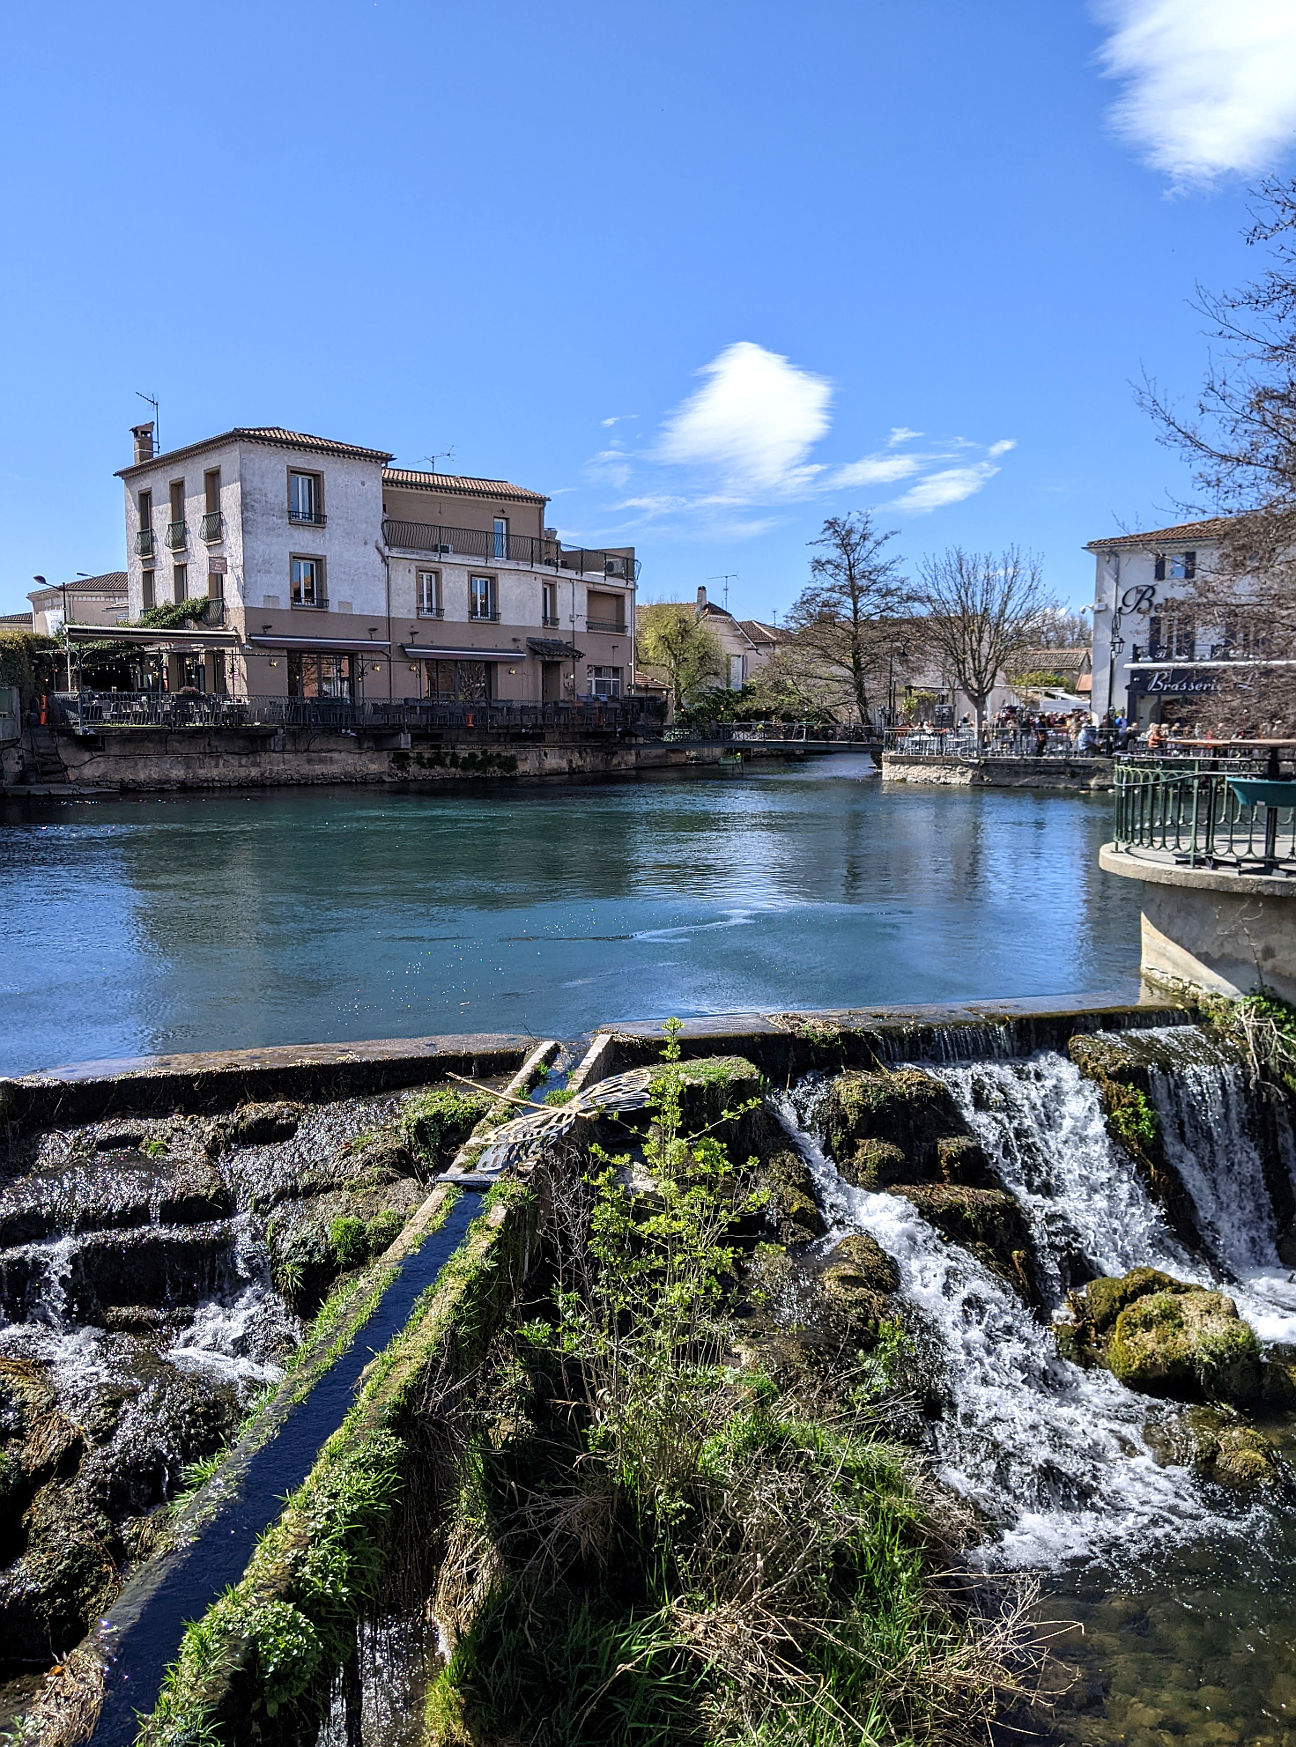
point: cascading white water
(233, 1336)
(1052, 1454)
(1041, 1124)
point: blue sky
(704, 272)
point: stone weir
(226, 1279)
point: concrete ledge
(1161, 869)
(960, 770)
(223, 1079)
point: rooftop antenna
(727, 578)
(151, 400)
(440, 455)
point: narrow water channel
(227, 921)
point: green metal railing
(1208, 818)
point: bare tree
(1240, 441)
(981, 611)
(848, 611)
(680, 647)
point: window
(193, 673)
(549, 603)
(306, 582)
(176, 525)
(1173, 636)
(149, 598)
(1175, 566)
(211, 522)
(499, 537)
(482, 598)
(605, 612)
(429, 594)
(179, 582)
(144, 538)
(458, 682)
(216, 585)
(321, 676)
(306, 498)
(604, 682)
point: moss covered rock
(1188, 1344)
(988, 1222)
(1105, 1298)
(1219, 1445)
(436, 1123)
(791, 1215)
(884, 1127)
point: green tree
(681, 647)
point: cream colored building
(86, 600)
(330, 573)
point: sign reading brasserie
(1179, 679)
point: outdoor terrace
(430, 539)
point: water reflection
(204, 922)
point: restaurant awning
(180, 637)
(352, 645)
(554, 649)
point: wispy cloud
(745, 441)
(1210, 85)
(617, 419)
(752, 424)
(946, 486)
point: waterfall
(1052, 1454)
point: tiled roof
(413, 480)
(16, 619)
(111, 582)
(1210, 529)
(1053, 660)
(762, 633)
(274, 435)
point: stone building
(86, 600)
(326, 572)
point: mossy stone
(1104, 1299)
(1189, 1345)
(791, 1214)
(874, 1164)
(866, 1257)
(886, 1127)
(988, 1222)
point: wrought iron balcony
(212, 525)
(476, 613)
(431, 613)
(492, 548)
(213, 612)
(306, 518)
(617, 628)
(177, 536)
(145, 544)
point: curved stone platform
(1210, 928)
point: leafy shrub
(383, 1230)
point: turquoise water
(200, 922)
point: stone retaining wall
(131, 760)
(952, 770)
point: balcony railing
(177, 536)
(145, 544)
(212, 525)
(431, 613)
(550, 621)
(484, 617)
(307, 518)
(613, 625)
(1188, 649)
(492, 548)
(213, 612)
(1197, 819)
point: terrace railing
(1199, 817)
(490, 547)
(87, 712)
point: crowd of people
(1019, 732)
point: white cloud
(617, 418)
(901, 434)
(753, 423)
(610, 464)
(1002, 446)
(876, 470)
(948, 485)
(1210, 85)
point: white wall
(354, 574)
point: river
(195, 922)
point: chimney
(702, 600)
(143, 435)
